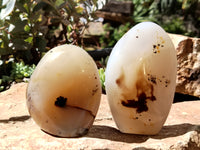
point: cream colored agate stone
(140, 79)
(64, 92)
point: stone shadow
(113, 134)
(15, 119)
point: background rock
(18, 131)
(188, 69)
(93, 29)
(116, 11)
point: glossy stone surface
(141, 79)
(64, 92)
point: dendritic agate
(64, 92)
(141, 79)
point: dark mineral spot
(156, 48)
(167, 83)
(95, 77)
(152, 79)
(144, 93)
(137, 37)
(94, 91)
(60, 101)
(140, 104)
(143, 88)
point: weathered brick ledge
(18, 131)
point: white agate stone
(141, 78)
(64, 92)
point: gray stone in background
(124, 7)
(93, 29)
(116, 11)
(188, 69)
(18, 131)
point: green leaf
(1, 88)
(29, 40)
(59, 2)
(27, 28)
(79, 9)
(26, 7)
(102, 77)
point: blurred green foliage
(29, 28)
(175, 16)
(34, 26)
(18, 72)
(102, 78)
(112, 34)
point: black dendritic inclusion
(152, 79)
(141, 104)
(60, 101)
(144, 92)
